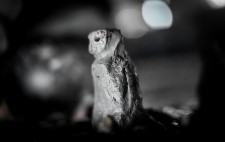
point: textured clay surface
(115, 80)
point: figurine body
(115, 80)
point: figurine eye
(97, 39)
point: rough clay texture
(115, 80)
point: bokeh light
(40, 81)
(157, 14)
(55, 64)
(46, 70)
(216, 3)
(131, 23)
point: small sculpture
(116, 82)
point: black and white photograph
(120, 70)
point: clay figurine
(116, 82)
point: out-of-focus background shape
(157, 14)
(45, 64)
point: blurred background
(177, 46)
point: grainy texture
(115, 80)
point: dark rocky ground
(30, 131)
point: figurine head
(104, 43)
